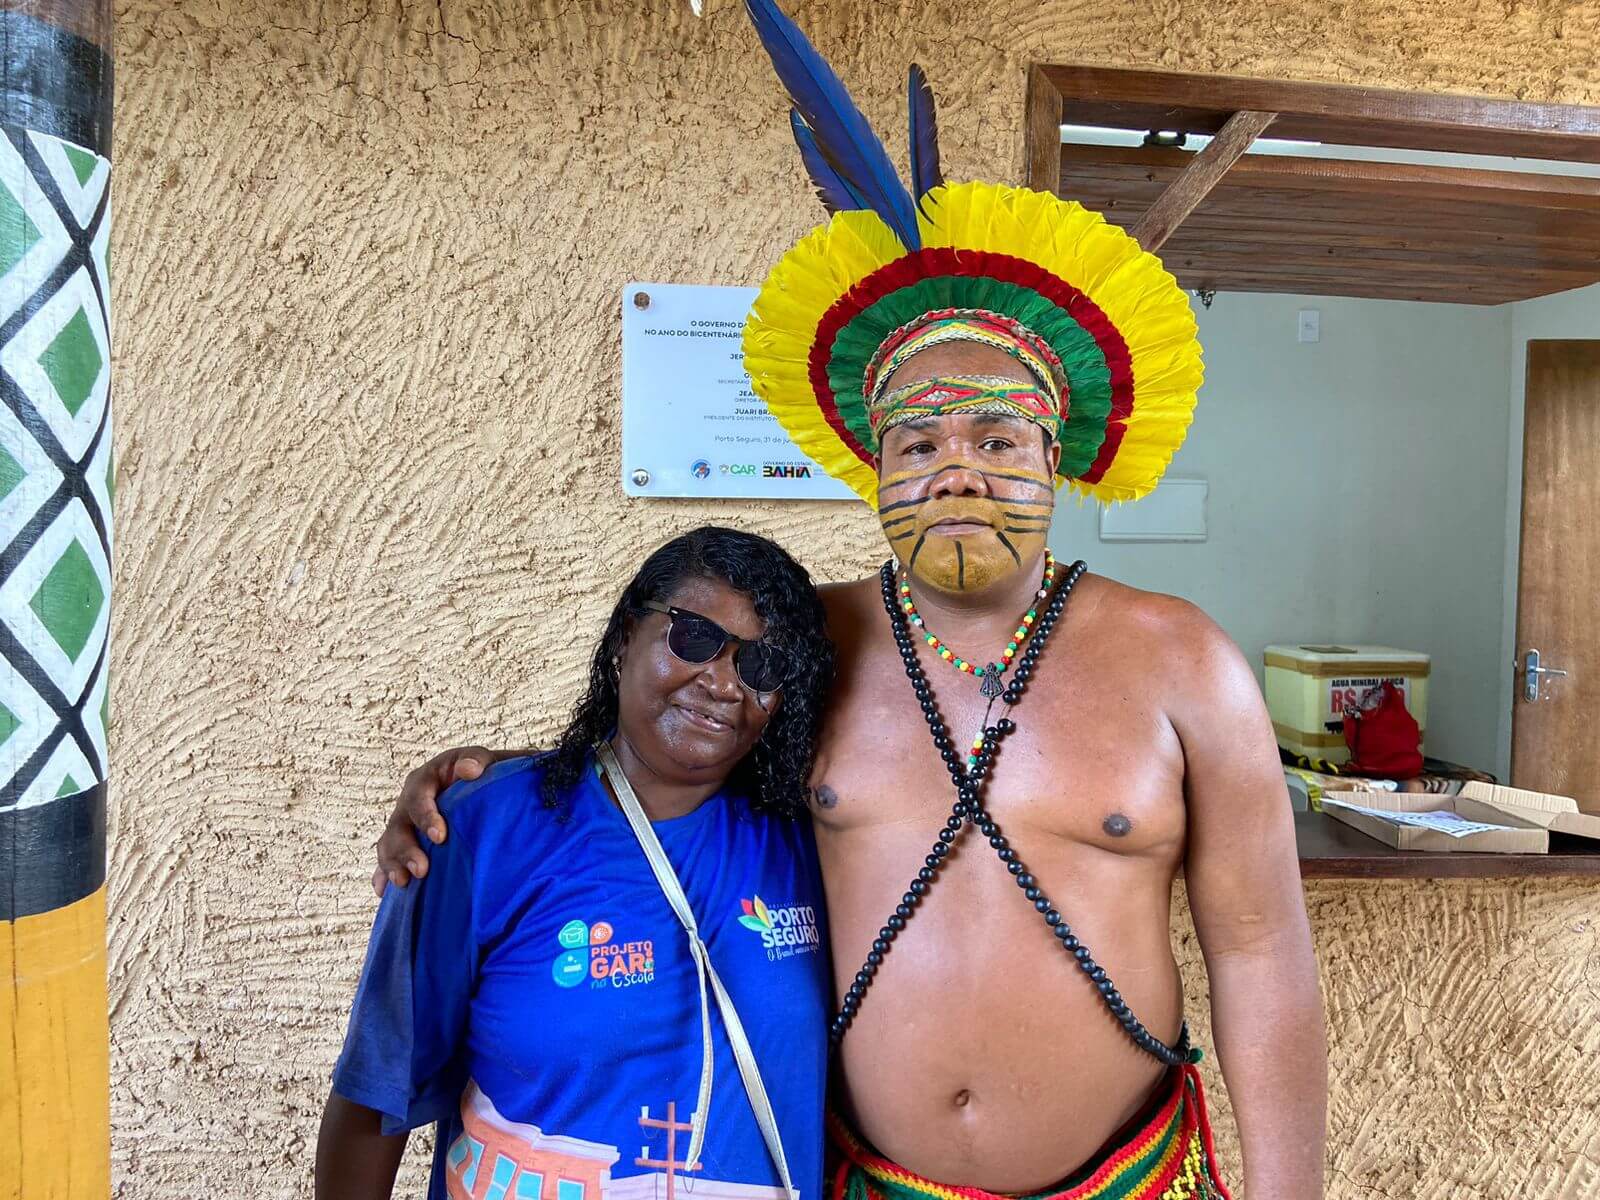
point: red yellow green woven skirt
(1165, 1155)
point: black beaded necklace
(968, 808)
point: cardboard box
(1523, 837)
(1559, 814)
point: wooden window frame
(1336, 113)
(1234, 110)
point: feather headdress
(890, 256)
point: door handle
(1533, 672)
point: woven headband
(968, 395)
(966, 325)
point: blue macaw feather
(833, 189)
(925, 173)
(840, 132)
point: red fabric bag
(1383, 736)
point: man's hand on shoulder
(400, 856)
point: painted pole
(55, 591)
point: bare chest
(1092, 761)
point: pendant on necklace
(992, 687)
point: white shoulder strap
(743, 1056)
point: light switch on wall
(1310, 324)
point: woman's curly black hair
(774, 774)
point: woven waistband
(1166, 1156)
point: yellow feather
(1132, 288)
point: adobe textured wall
(368, 259)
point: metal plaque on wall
(691, 426)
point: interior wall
(1357, 492)
(1574, 314)
(367, 264)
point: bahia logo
(785, 931)
(785, 471)
(701, 469)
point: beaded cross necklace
(969, 809)
(992, 687)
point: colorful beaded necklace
(990, 674)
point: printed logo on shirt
(785, 931)
(593, 953)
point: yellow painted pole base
(54, 1056)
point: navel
(963, 1098)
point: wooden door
(1555, 741)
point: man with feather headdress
(956, 353)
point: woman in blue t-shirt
(611, 983)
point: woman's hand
(400, 855)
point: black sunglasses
(761, 666)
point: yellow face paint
(965, 542)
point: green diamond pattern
(18, 234)
(57, 606)
(11, 474)
(69, 599)
(83, 163)
(72, 361)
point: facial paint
(1007, 528)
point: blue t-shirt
(535, 996)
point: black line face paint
(904, 481)
(1026, 525)
(919, 501)
(911, 563)
(1008, 515)
(896, 506)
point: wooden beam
(1042, 142)
(1418, 181)
(1329, 112)
(1201, 175)
(1386, 230)
(1404, 231)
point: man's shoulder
(848, 604)
(851, 591)
(1129, 610)
(1185, 649)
